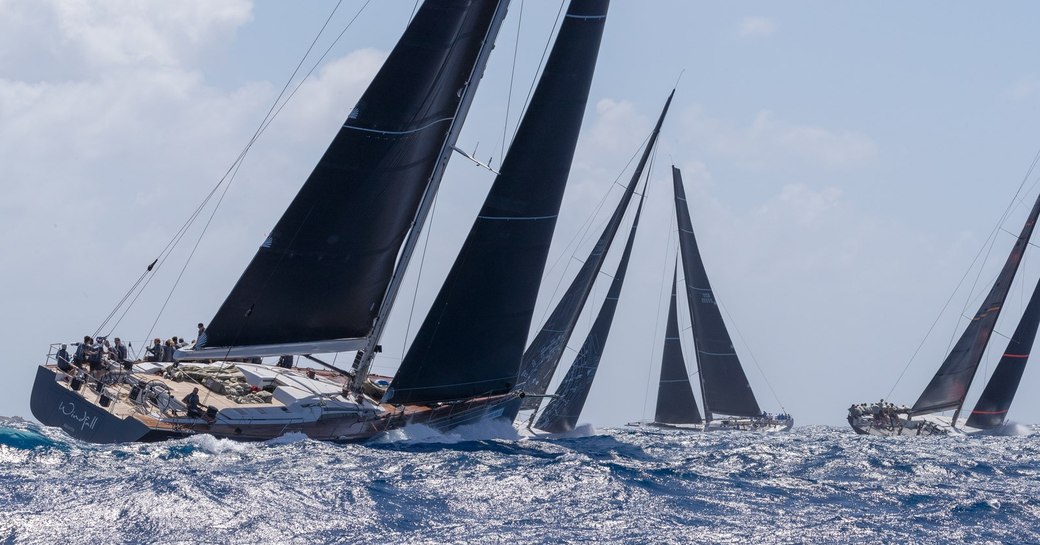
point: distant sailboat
(543, 356)
(562, 413)
(676, 403)
(326, 278)
(949, 387)
(724, 385)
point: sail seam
(717, 353)
(424, 127)
(531, 218)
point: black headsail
(992, 407)
(543, 355)
(675, 401)
(472, 340)
(561, 414)
(950, 384)
(724, 386)
(323, 272)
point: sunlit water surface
(489, 485)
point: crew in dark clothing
(94, 353)
(118, 351)
(192, 402)
(167, 351)
(80, 359)
(285, 361)
(155, 351)
(62, 358)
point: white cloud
(58, 39)
(803, 204)
(756, 26)
(769, 141)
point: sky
(846, 166)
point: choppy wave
(489, 484)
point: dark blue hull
(78, 412)
(54, 404)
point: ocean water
(489, 485)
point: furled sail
(561, 414)
(992, 407)
(724, 386)
(543, 355)
(472, 339)
(323, 272)
(675, 401)
(949, 386)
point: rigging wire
(583, 231)
(229, 176)
(541, 63)
(671, 247)
(418, 277)
(512, 79)
(1000, 222)
(661, 294)
(750, 352)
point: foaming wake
(1012, 429)
(287, 439)
(212, 445)
(483, 430)
(582, 430)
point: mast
(949, 386)
(675, 401)
(993, 405)
(472, 339)
(367, 354)
(543, 355)
(724, 386)
(562, 413)
(319, 281)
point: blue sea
(489, 485)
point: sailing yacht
(729, 402)
(564, 408)
(326, 278)
(543, 356)
(949, 387)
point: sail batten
(543, 355)
(676, 403)
(471, 341)
(323, 272)
(949, 386)
(724, 385)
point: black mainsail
(993, 405)
(543, 355)
(724, 386)
(561, 414)
(949, 386)
(472, 340)
(318, 281)
(675, 401)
